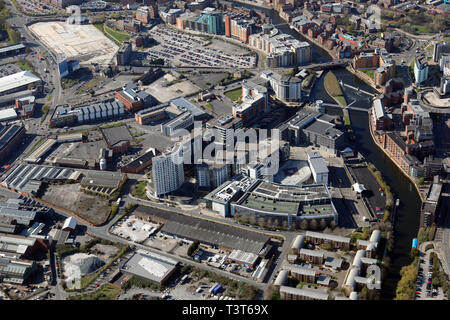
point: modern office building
(167, 171)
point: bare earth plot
(89, 207)
(83, 42)
(165, 92)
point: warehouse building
(27, 179)
(102, 182)
(151, 266)
(8, 114)
(142, 162)
(206, 232)
(16, 271)
(118, 139)
(12, 50)
(17, 82)
(20, 246)
(11, 211)
(10, 137)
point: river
(408, 213)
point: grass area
(209, 106)
(113, 125)
(45, 109)
(370, 73)
(105, 292)
(139, 189)
(119, 36)
(334, 89)
(24, 65)
(234, 95)
(115, 36)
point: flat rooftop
(16, 80)
(117, 135)
(150, 266)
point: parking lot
(8, 69)
(424, 285)
(182, 49)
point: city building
(380, 120)
(286, 88)
(318, 167)
(184, 120)
(282, 50)
(124, 54)
(167, 171)
(254, 102)
(420, 69)
(439, 49)
(133, 98)
(151, 115)
(185, 105)
(143, 14)
(431, 205)
(213, 19)
(211, 174)
(225, 125)
(283, 204)
(338, 242)
(66, 67)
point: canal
(408, 213)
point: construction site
(82, 42)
